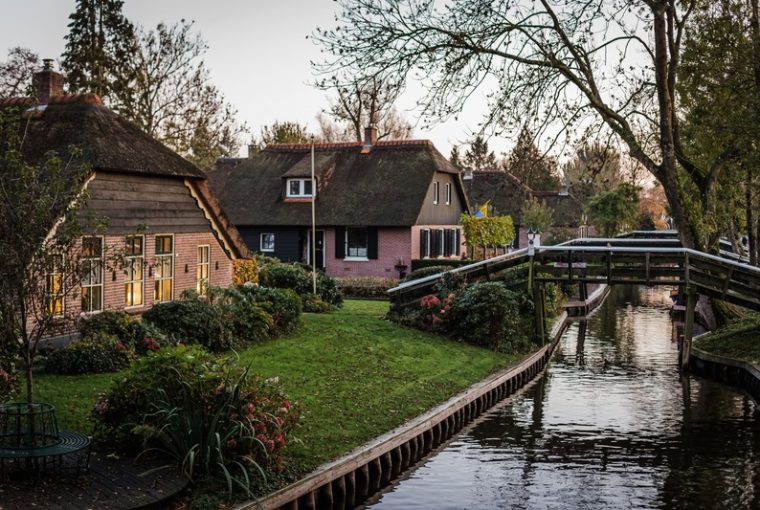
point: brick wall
(185, 256)
(392, 244)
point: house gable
(443, 213)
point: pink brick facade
(185, 274)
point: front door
(320, 248)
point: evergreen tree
(455, 158)
(478, 157)
(15, 72)
(595, 169)
(531, 166)
(99, 46)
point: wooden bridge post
(688, 329)
(538, 306)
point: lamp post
(538, 298)
(313, 223)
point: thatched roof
(507, 194)
(385, 186)
(107, 141)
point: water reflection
(611, 425)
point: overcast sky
(258, 54)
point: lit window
(204, 258)
(267, 242)
(448, 193)
(299, 188)
(92, 274)
(436, 193)
(54, 287)
(357, 241)
(164, 269)
(134, 256)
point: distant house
(506, 195)
(378, 204)
(158, 211)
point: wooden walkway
(111, 484)
(611, 261)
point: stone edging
(351, 479)
(738, 373)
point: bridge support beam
(688, 329)
(538, 305)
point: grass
(738, 340)
(355, 376)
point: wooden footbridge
(611, 261)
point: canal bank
(612, 423)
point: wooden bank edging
(743, 374)
(581, 308)
(351, 479)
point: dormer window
(299, 188)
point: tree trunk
(749, 217)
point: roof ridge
(16, 101)
(298, 147)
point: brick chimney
(47, 82)
(370, 136)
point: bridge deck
(611, 261)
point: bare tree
(562, 62)
(15, 72)
(361, 102)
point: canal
(611, 424)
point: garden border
(742, 374)
(351, 479)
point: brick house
(506, 195)
(158, 211)
(379, 204)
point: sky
(259, 55)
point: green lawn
(738, 340)
(356, 376)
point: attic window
(436, 193)
(299, 188)
(448, 193)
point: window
(437, 244)
(204, 259)
(448, 193)
(424, 244)
(54, 287)
(164, 269)
(436, 193)
(357, 242)
(266, 242)
(92, 274)
(299, 188)
(134, 255)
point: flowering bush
(201, 411)
(436, 310)
(95, 353)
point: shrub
(9, 382)
(485, 314)
(209, 415)
(119, 324)
(245, 271)
(96, 353)
(283, 305)
(329, 290)
(312, 303)
(247, 320)
(192, 321)
(425, 271)
(286, 276)
(366, 286)
(447, 263)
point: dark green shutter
(371, 243)
(423, 242)
(458, 248)
(448, 236)
(340, 242)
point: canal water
(611, 424)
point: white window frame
(454, 248)
(60, 295)
(87, 266)
(203, 266)
(133, 261)
(436, 192)
(301, 188)
(160, 257)
(356, 258)
(261, 242)
(448, 193)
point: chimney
(467, 174)
(47, 82)
(370, 136)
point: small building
(159, 213)
(506, 194)
(378, 204)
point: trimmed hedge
(93, 354)
(448, 263)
